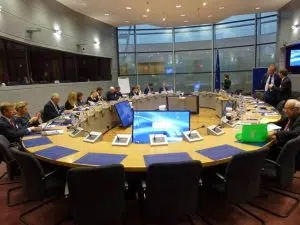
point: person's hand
(270, 86)
(38, 115)
(33, 119)
(68, 111)
(35, 129)
(272, 135)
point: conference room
(149, 112)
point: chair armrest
(50, 174)
(221, 177)
(272, 162)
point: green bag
(253, 133)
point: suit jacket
(50, 112)
(294, 130)
(285, 89)
(277, 80)
(147, 90)
(12, 133)
(111, 96)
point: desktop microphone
(202, 126)
(108, 127)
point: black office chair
(241, 182)
(171, 191)
(97, 195)
(36, 184)
(12, 170)
(282, 172)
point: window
(181, 56)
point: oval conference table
(68, 151)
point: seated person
(8, 127)
(149, 89)
(111, 94)
(93, 97)
(79, 101)
(52, 109)
(139, 91)
(164, 88)
(99, 91)
(22, 117)
(118, 92)
(71, 101)
(290, 127)
(134, 92)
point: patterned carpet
(212, 206)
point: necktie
(286, 128)
(270, 80)
(12, 123)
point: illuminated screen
(170, 123)
(196, 87)
(125, 113)
(295, 58)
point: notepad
(101, 159)
(166, 158)
(55, 152)
(220, 152)
(36, 142)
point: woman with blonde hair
(71, 101)
(22, 117)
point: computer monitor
(170, 123)
(125, 113)
(197, 86)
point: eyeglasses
(288, 108)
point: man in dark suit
(111, 94)
(118, 92)
(285, 88)
(51, 109)
(290, 126)
(8, 127)
(271, 80)
(149, 89)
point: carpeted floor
(212, 206)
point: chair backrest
(243, 176)
(286, 160)
(172, 189)
(97, 194)
(4, 149)
(8, 158)
(31, 175)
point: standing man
(227, 83)
(271, 81)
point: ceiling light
(128, 8)
(186, 21)
(0, 8)
(257, 8)
(221, 7)
(164, 19)
(147, 10)
(144, 16)
(182, 15)
(296, 26)
(209, 16)
(204, 3)
(126, 21)
(106, 14)
(178, 6)
(57, 32)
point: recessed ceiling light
(204, 3)
(209, 16)
(178, 6)
(106, 14)
(295, 26)
(221, 7)
(186, 21)
(144, 16)
(128, 8)
(164, 19)
(126, 21)
(147, 10)
(182, 15)
(257, 8)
